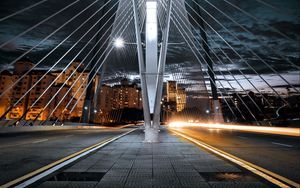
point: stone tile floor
(173, 162)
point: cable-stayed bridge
(198, 66)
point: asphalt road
(279, 154)
(26, 152)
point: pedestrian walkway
(173, 162)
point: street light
(119, 43)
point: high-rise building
(175, 97)
(18, 90)
(34, 98)
(26, 97)
(6, 80)
(106, 99)
(60, 102)
(180, 99)
(118, 97)
(75, 72)
(126, 96)
(171, 91)
(38, 93)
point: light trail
(287, 131)
(272, 177)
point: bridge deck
(173, 162)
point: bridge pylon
(152, 72)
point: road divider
(45, 171)
(259, 171)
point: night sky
(284, 16)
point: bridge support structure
(216, 107)
(152, 72)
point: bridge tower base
(218, 115)
(151, 134)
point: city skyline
(125, 93)
(66, 86)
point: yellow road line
(51, 165)
(266, 174)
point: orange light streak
(287, 131)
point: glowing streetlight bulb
(119, 43)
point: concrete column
(161, 68)
(151, 51)
(147, 119)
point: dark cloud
(124, 62)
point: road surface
(279, 154)
(21, 153)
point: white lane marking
(30, 142)
(286, 145)
(49, 169)
(242, 137)
(38, 141)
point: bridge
(148, 93)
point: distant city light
(119, 43)
(207, 111)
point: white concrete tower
(151, 51)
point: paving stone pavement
(173, 162)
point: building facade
(39, 94)
(117, 97)
(77, 78)
(175, 97)
(6, 80)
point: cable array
(116, 19)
